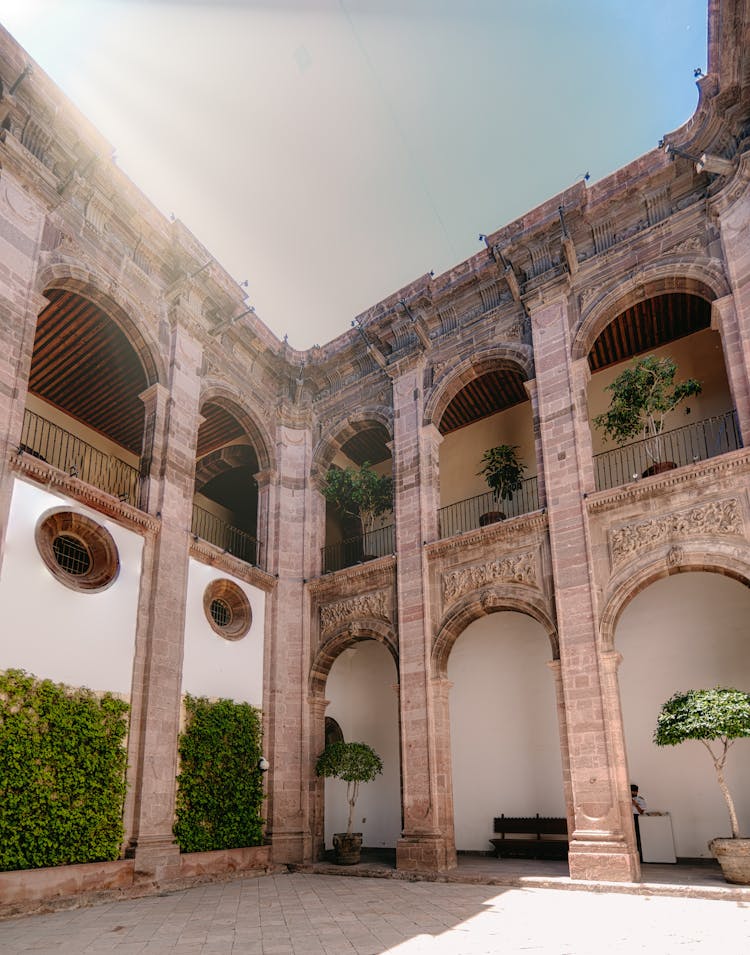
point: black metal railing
(485, 509)
(695, 442)
(356, 550)
(231, 539)
(58, 447)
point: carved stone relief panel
(715, 517)
(364, 605)
(515, 568)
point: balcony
(230, 539)
(695, 442)
(52, 444)
(475, 512)
(357, 550)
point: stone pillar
(541, 490)
(317, 707)
(732, 315)
(598, 848)
(22, 220)
(290, 556)
(264, 480)
(441, 687)
(157, 671)
(424, 844)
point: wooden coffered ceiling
(369, 445)
(84, 364)
(484, 396)
(647, 325)
(218, 429)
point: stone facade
(531, 306)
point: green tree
(719, 715)
(359, 492)
(355, 763)
(502, 470)
(643, 395)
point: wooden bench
(516, 840)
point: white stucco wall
(461, 451)
(505, 742)
(213, 666)
(685, 632)
(82, 639)
(364, 703)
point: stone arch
(354, 631)
(512, 357)
(481, 603)
(104, 293)
(702, 277)
(344, 428)
(678, 561)
(225, 459)
(251, 423)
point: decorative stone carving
(693, 243)
(588, 295)
(365, 605)
(716, 517)
(516, 568)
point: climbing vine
(219, 788)
(62, 773)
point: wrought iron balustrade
(694, 442)
(356, 550)
(42, 439)
(231, 539)
(477, 511)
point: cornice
(511, 530)
(214, 556)
(373, 573)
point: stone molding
(715, 517)
(210, 554)
(364, 605)
(515, 568)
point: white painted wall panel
(82, 639)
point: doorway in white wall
(684, 632)
(505, 742)
(363, 695)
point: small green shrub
(219, 788)
(62, 773)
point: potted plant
(722, 716)
(643, 396)
(503, 472)
(359, 492)
(355, 763)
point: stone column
(20, 238)
(317, 706)
(157, 672)
(288, 719)
(598, 849)
(735, 345)
(424, 844)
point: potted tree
(720, 716)
(361, 493)
(643, 396)
(355, 763)
(503, 472)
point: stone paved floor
(317, 914)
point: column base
(156, 859)
(290, 846)
(603, 861)
(425, 853)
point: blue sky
(331, 151)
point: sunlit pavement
(309, 913)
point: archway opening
(687, 631)
(364, 704)
(225, 504)
(505, 740)
(83, 410)
(676, 326)
(490, 410)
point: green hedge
(220, 788)
(62, 773)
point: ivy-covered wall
(219, 788)
(62, 773)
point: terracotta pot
(491, 517)
(733, 855)
(659, 467)
(347, 848)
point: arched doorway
(505, 740)
(363, 700)
(686, 631)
